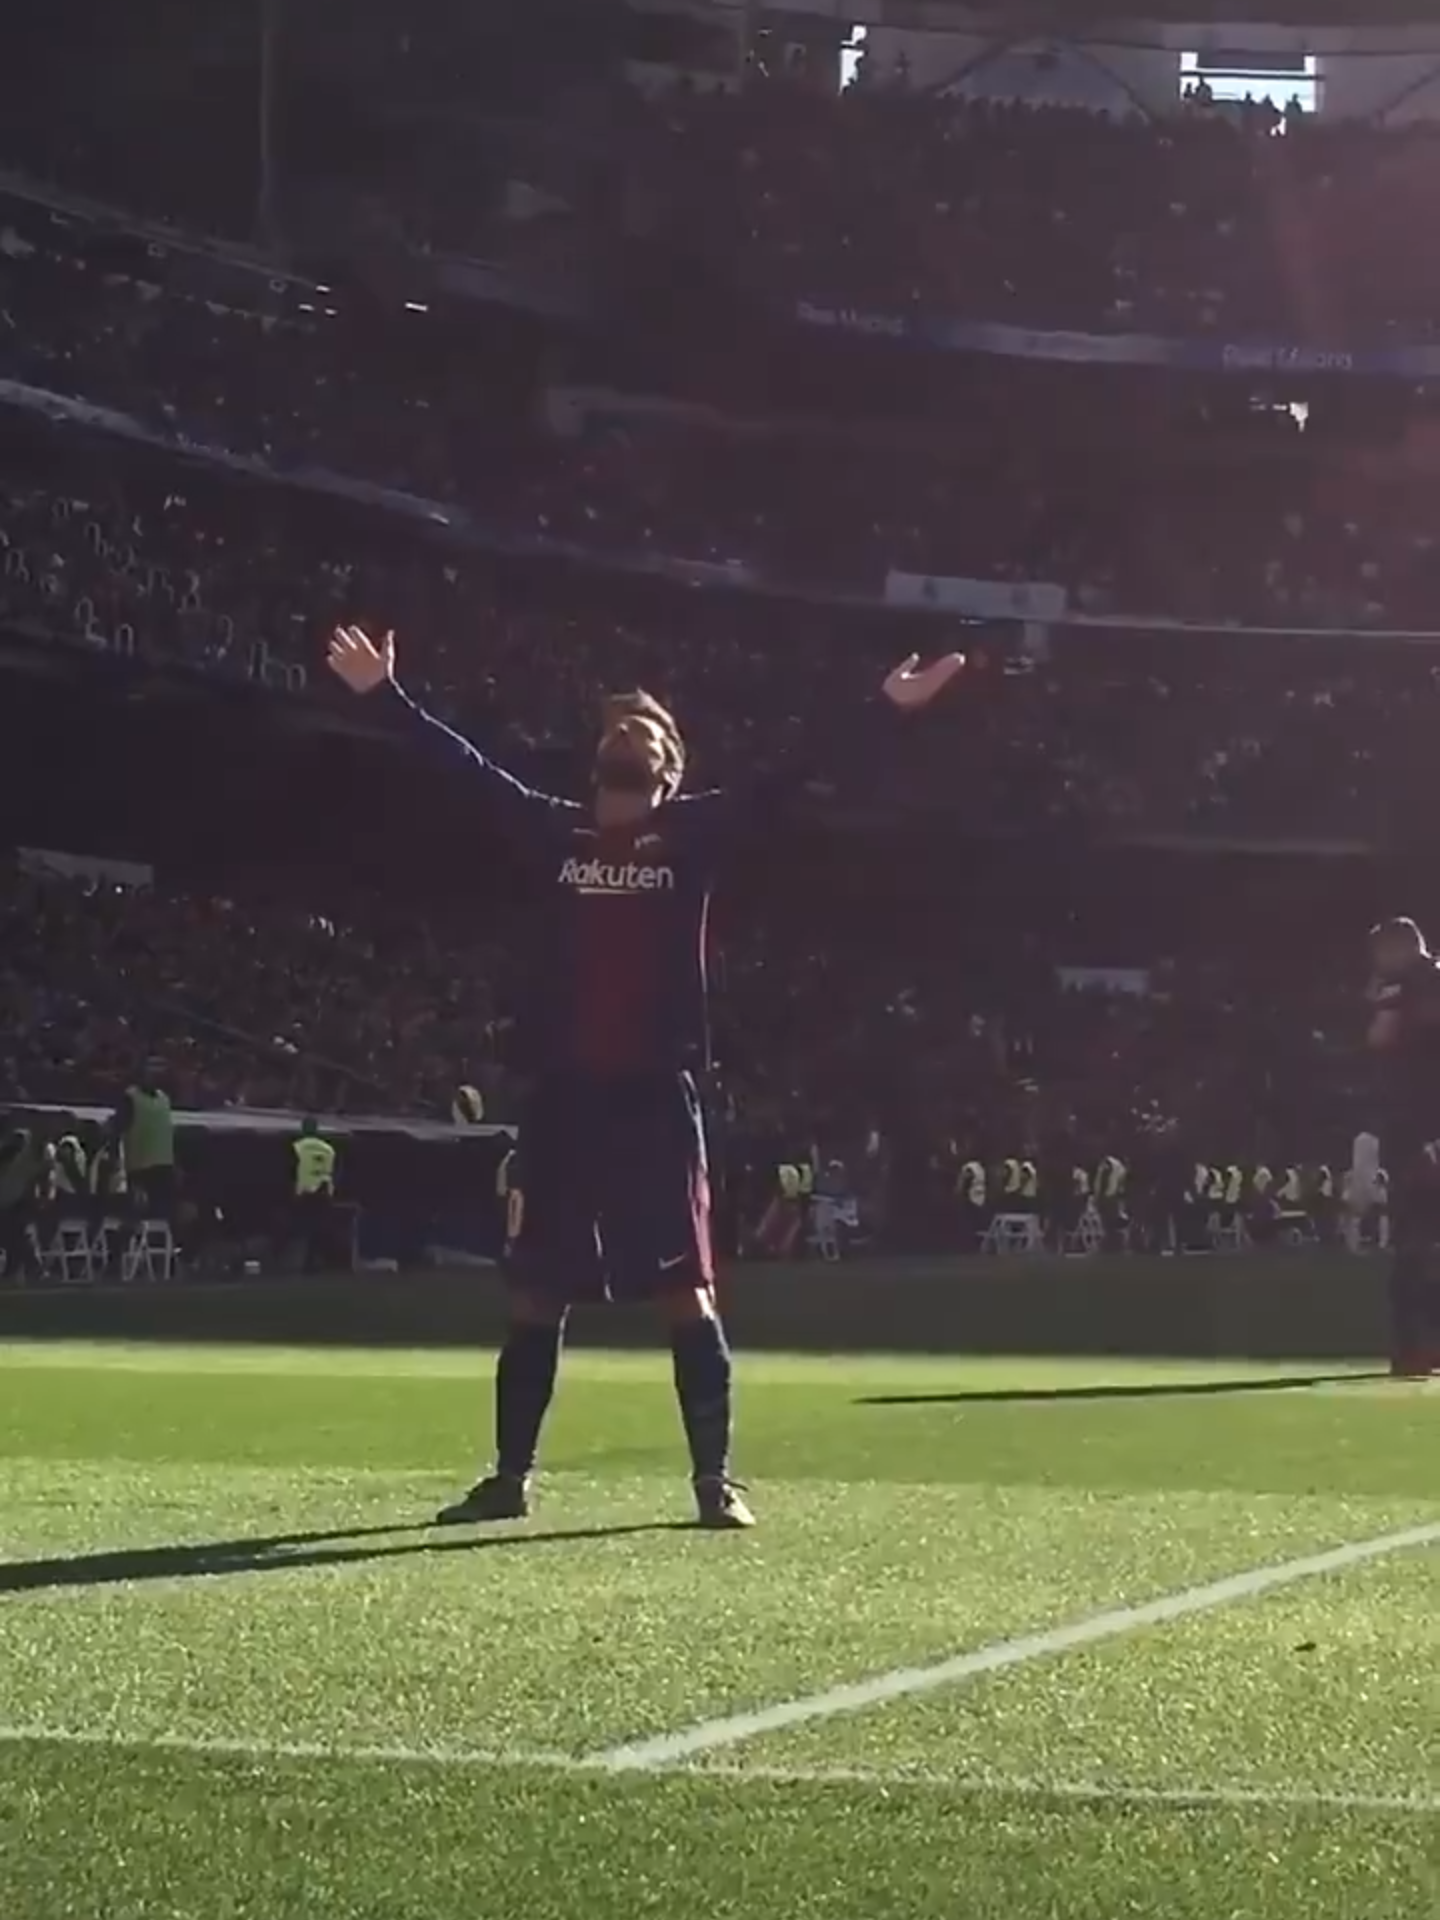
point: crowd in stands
(391, 398)
(892, 199)
(891, 202)
(258, 1005)
(1217, 734)
(293, 388)
(832, 1024)
(883, 201)
(1201, 223)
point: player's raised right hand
(362, 663)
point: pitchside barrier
(416, 1183)
(1279, 1306)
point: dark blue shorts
(616, 1189)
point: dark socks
(702, 1384)
(524, 1382)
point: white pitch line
(1095, 1792)
(733, 1773)
(207, 1746)
(667, 1749)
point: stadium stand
(1187, 586)
(1141, 729)
(389, 399)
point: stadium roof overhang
(1088, 19)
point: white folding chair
(1013, 1233)
(113, 1231)
(150, 1254)
(1227, 1236)
(69, 1258)
(827, 1217)
(1086, 1237)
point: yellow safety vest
(1110, 1178)
(1029, 1180)
(789, 1181)
(43, 1188)
(504, 1175)
(1325, 1183)
(1080, 1183)
(63, 1181)
(150, 1137)
(972, 1183)
(1234, 1186)
(1290, 1190)
(1216, 1188)
(314, 1165)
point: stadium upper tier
(1120, 494)
(1116, 488)
(1224, 227)
(1126, 730)
(1217, 226)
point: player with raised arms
(617, 1191)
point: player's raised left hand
(362, 663)
(912, 686)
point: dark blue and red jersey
(617, 981)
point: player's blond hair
(637, 703)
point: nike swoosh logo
(678, 1261)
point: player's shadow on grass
(281, 1553)
(1146, 1390)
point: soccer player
(1405, 1031)
(617, 1192)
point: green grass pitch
(239, 1676)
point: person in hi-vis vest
(70, 1180)
(972, 1187)
(313, 1195)
(144, 1126)
(1366, 1195)
(1018, 1181)
(783, 1222)
(1112, 1177)
(1075, 1200)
